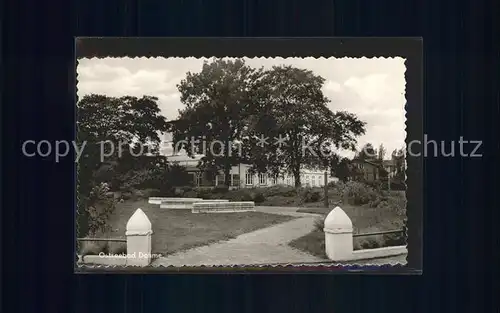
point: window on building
(235, 180)
(263, 179)
(192, 179)
(220, 179)
(313, 181)
(249, 179)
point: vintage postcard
(226, 160)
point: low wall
(223, 207)
(339, 242)
(185, 205)
(158, 200)
(378, 253)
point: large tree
(217, 101)
(106, 122)
(381, 152)
(341, 167)
(292, 107)
(398, 159)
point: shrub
(259, 197)
(220, 189)
(319, 224)
(396, 202)
(359, 193)
(93, 248)
(99, 208)
(146, 193)
(204, 193)
(190, 194)
(285, 191)
(97, 247)
(308, 195)
(371, 242)
(117, 247)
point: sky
(371, 88)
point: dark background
(461, 265)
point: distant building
(241, 177)
(369, 170)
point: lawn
(365, 219)
(176, 230)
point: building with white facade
(241, 177)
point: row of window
(312, 180)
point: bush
(259, 197)
(319, 224)
(371, 242)
(93, 248)
(308, 195)
(117, 247)
(359, 193)
(99, 208)
(220, 189)
(146, 193)
(190, 194)
(285, 191)
(96, 247)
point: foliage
(291, 105)
(341, 168)
(127, 123)
(358, 193)
(308, 195)
(381, 152)
(259, 197)
(398, 157)
(97, 247)
(177, 176)
(217, 101)
(100, 207)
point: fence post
(138, 234)
(327, 204)
(338, 235)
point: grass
(365, 219)
(177, 230)
(312, 243)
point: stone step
(187, 205)
(158, 200)
(223, 207)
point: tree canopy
(217, 100)
(128, 124)
(276, 120)
(293, 107)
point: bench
(185, 203)
(223, 207)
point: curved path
(264, 246)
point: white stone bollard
(338, 235)
(138, 234)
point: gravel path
(263, 246)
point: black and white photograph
(239, 161)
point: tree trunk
(296, 176)
(227, 175)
